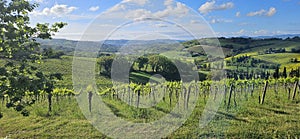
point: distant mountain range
(68, 46)
(111, 42)
(283, 36)
(141, 42)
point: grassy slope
(278, 117)
(66, 121)
(249, 49)
(281, 58)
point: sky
(168, 19)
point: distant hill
(68, 46)
(283, 36)
(231, 46)
(238, 45)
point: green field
(278, 117)
(282, 58)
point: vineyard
(235, 87)
(270, 104)
(148, 102)
(228, 89)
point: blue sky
(217, 17)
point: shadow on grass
(231, 117)
(210, 135)
(115, 110)
(275, 111)
(161, 109)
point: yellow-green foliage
(284, 59)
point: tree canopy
(19, 48)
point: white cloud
(214, 21)
(116, 8)
(94, 8)
(138, 14)
(241, 32)
(37, 1)
(164, 13)
(263, 12)
(238, 14)
(211, 6)
(261, 32)
(194, 22)
(179, 10)
(257, 13)
(60, 10)
(161, 25)
(246, 24)
(172, 9)
(139, 2)
(168, 3)
(57, 11)
(271, 11)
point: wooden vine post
(188, 96)
(289, 96)
(90, 96)
(184, 96)
(90, 90)
(225, 94)
(295, 89)
(138, 98)
(49, 102)
(230, 94)
(264, 93)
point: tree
(165, 66)
(105, 65)
(159, 63)
(142, 61)
(276, 73)
(19, 48)
(284, 73)
(153, 62)
(50, 53)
